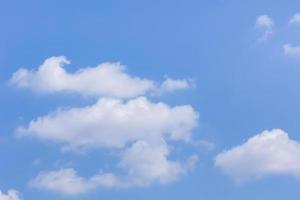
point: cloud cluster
(137, 127)
(143, 162)
(121, 119)
(11, 195)
(266, 24)
(107, 79)
(268, 153)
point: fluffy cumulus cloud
(137, 128)
(266, 24)
(65, 181)
(295, 19)
(11, 195)
(268, 153)
(290, 50)
(144, 164)
(114, 123)
(120, 120)
(107, 79)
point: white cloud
(136, 127)
(170, 85)
(295, 19)
(148, 163)
(144, 163)
(290, 50)
(107, 79)
(65, 181)
(11, 195)
(268, 153)
(113, 123)
(265, 23)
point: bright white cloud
(268, 153)
(11, 195)
(290, 50)
(113, 123)
(107, 79)
(265, 23)
(148, 163)
(144, 163)
(295, 19)
(136, 127)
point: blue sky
(227, 74)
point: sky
(195, 99)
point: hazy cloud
(266, 24)
(11, 195)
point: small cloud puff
(295, 19)
(292, 51)
(265, 23)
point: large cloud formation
(121, 119)
(11, 195)
(114, 123)
(107, 79)
(138, 128)
(268, 153)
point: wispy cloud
(290, 50)
(295, 19)
(266, 24)
(11, 195)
